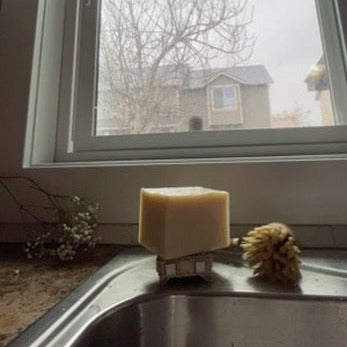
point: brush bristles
(271, 250)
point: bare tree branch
(139, 39)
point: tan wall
(326, 108)
(256, 106)
(168, 100)
(193, 103)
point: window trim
(285, 144)
(333, 42)
(225, 108)
(213, 112)
(212, 146)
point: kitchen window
(131, 76)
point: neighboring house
(219, 99)
(318, 81)
(227, 98)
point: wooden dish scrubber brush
(272, 252)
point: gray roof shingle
(187, 78)
(247, 75)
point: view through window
(186, 65)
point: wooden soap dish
(188, 266)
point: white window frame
(74, 132)
(224, 108)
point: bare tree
(147, 46)
(297, 117)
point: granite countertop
(28, 289)
(130, 280)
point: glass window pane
(161, 61)
(218, 101)
(229, 97)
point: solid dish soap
(180, 221)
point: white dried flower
(76, 232)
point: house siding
(193, 103)
(167, 115)
(326, 107)
(256, 107)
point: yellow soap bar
(180, 221)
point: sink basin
(122, 305)
(181, 320)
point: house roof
(188, 78)
(247, 75)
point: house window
(134, 74)
(225, 98)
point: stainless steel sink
(123, 305)
(184, 320)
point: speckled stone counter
(30, 288)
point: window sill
(195, 161)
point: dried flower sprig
(73, 234)
(72, 229)
(272, 251)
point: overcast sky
(288, 43)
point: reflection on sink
(122, 305)
(180, 320)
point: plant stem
(51, 197)
(22, 207)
